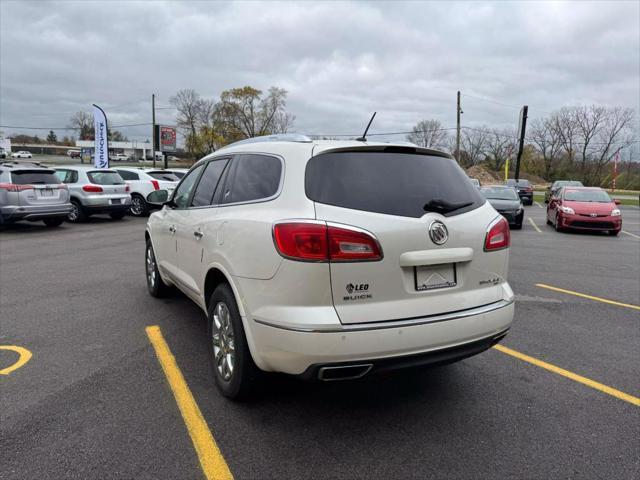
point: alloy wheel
(74, 213)
(151, 267)
(136, 206)
(223, 341)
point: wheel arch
(216, 275)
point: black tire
(77, 213)
(556, 224)
(156, 286)
(53, 222)
(117, 215)
(139, 206)
(244, 375)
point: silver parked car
(95, 191)
(31, 192)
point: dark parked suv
(31, 192)
(524, 189)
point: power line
(71, 128)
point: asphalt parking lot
(93, 400)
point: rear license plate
(116, 201)
(431, 277)
(46, 192)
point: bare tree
(549, 141)
(189, 106)
(429, 134)
(565, 126)
(283, 122)
(589, 121)
(83, 123)
(614, 134)
(500, 144)
(473, 143)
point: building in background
(134, 150)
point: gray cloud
(339, 61)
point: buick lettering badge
(438, 233)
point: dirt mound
(485, 176)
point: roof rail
(18, 162)
(280, 137)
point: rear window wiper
(439, 205)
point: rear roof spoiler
(391, 148)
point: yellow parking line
(573, 376)
(211, 460)
(590, 297)
(24, 357)
(630, 234)
(533, 224)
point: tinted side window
(105, 178)
(128, 175)
(254, 177)
(183, 192)
(208, 182)
(66, 176)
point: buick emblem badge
(593, 215)
(438, 232)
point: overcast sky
(339, 61)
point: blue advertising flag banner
(101, 150)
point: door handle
(172, 229)
(198, 234)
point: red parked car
(584, 208)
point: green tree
(52, 138)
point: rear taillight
(318, 242)
(92, 188)
(349, 245)
(498, 235)
(528, 189)
(156, 184)
(12, 187)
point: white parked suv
(142, 182)
(95, 191)
(332, 260)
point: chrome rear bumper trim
(407, 322)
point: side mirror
(158, 198)
(616, 201)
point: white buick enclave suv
(332, 260)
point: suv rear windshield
(105, 178)
(34, 177)
(391, 183)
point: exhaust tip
(344, 372)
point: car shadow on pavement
(24, 227)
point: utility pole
(153, 128)
(522, 128)
(458, 112)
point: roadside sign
(166, 138)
